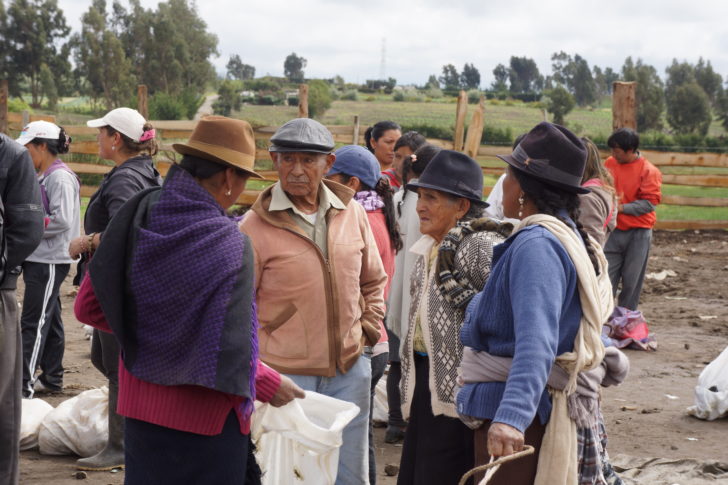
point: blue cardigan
(528, 310)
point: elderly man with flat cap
(319, 281)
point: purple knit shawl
(193, 324)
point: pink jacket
(315, 314)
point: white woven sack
(711, 393)
(34, 410)
(77, 426)
(299, 442)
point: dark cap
(302, 135)
(552, 154)
(454, 173)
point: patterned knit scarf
(452, 283)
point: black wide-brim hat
(552, 154)
(453, 173)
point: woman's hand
(504, 440)
(77, 246)
(287, 392)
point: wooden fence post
(303, 101)
(624, 105)
(460, 113)
(4, 106)
(26, 118)
(143, 101)
(475, 130)
(356, 130)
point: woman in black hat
(453, 262)
(544, 304)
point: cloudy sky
(345, 37)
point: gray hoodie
(64, 223)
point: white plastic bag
(711, 393)
(381, 406)
(77, 426)
(34, 410)
(299, 442)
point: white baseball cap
(124, 120)
(39, 129)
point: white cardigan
(398, 304)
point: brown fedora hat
(224, 140)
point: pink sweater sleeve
(267, 382)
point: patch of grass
(690, 191)
(683, 212)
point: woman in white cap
(44, 270)
(126, 139)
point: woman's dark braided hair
(385, 191)
(550, 200)
(423, 155)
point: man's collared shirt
(314, 225)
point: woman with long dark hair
(380, 139)
(358, 169)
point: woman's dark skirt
(437, 450)
(156, 455)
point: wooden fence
(171, 131)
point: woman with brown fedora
(453, 263)
(174, 279)
(536, 326)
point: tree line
(687, 100)
(167, 48)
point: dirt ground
(687, 314)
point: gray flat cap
(302, 135)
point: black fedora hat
(454, 173)
(553, 155)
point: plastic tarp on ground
(652, 471)
(299, 442)
(711, 393)
(77, 426)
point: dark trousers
(627, 253)
(379, 364)
(394, 400)
(155, 455)
(10, 379)
(41, 325)
(438, 450)
(518, 472)
(105, 355)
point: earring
(521, 200)
(113, 148)
(228, 192)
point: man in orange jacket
(638, 185)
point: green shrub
(474, 96)
(429, 129)
(229, 98)
(350, 95)
(163, 106)
(17, 105)
(319, 98)
(292, 101)
(398, 96)
(370, 99)
(497, 136)
(191, 100)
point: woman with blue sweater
(542, 308)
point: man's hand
(287, 392)
(504, 440)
